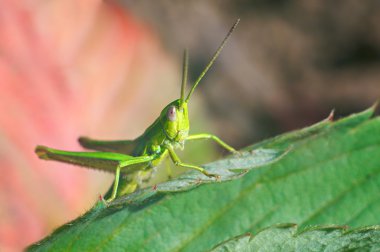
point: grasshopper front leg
(213, 137)
(178, 162)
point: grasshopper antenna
(216, 54)
(185, 66)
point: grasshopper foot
(107, 202)
(211, 175)
(236, 153)
(104, 202)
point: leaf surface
(320, 238)
(322, 175)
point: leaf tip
(372, 110)
(375, 106)
(331, 116)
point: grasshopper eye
(172, 114)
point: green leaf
(319, 238)
(325, 174)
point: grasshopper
(133, 160)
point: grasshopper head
(176, 121)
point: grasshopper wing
(122, 146)
(105, 161)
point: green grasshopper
(135, 159)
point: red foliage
(67, 68)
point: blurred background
(105, 69)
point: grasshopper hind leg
(131, 182)
(105, 161)
(123, 185)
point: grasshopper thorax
(175, 121)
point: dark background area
(287, 65)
